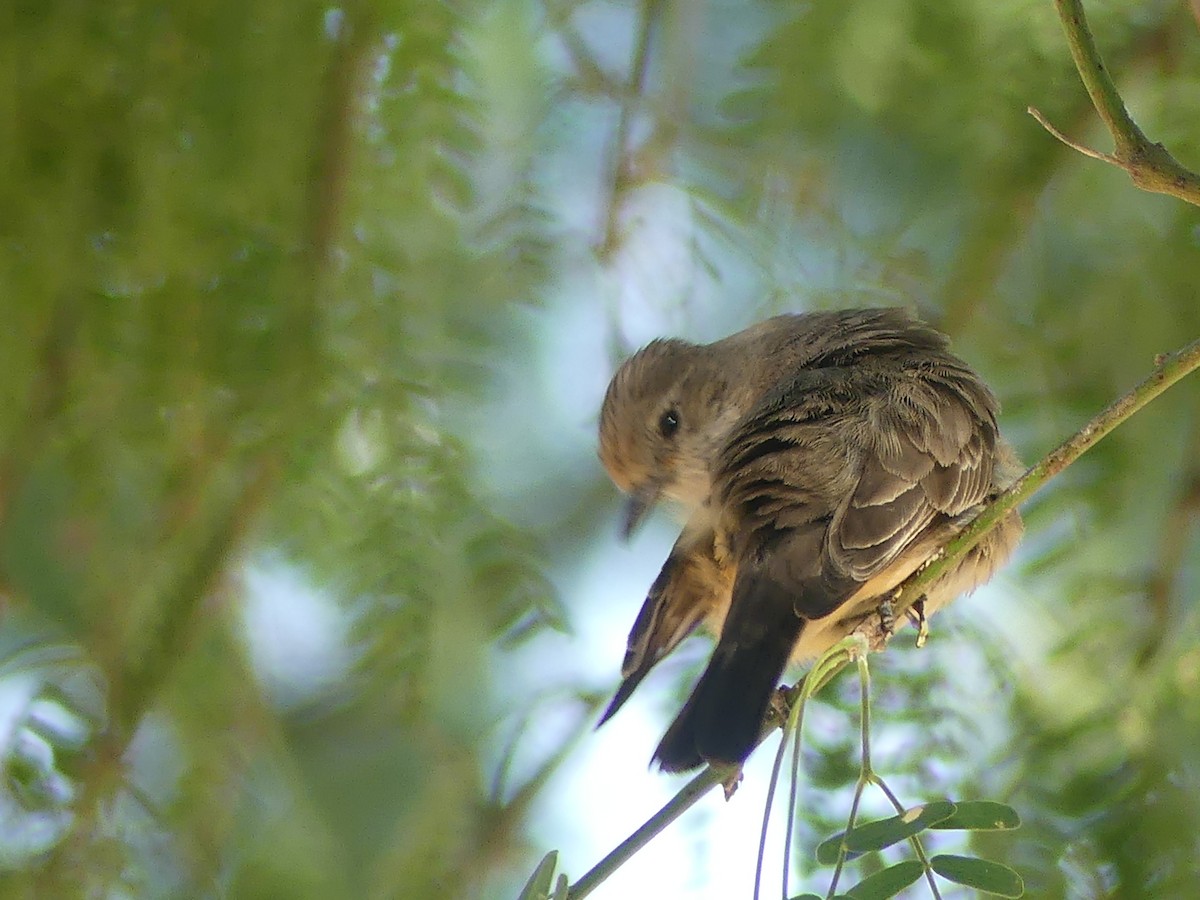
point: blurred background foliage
(307, 314)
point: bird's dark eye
(669, 423)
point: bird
(817, 460)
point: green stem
(1099, 84)
(864, 683)
(859, 788)
(798, 712)
(680, 803)
(770, 801)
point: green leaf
(888, 882)
(808, 897)
(828, 850)
(560, 889)
(981, 815)
(981, 874)
(885, 832)
(538, 886)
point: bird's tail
(722, 719)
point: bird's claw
(780, 707)
(916, 614)
(887, 618)
(730, 783)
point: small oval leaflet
(885, 832)
(982, 874)
(981, 815)
(887, 882)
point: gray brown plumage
(819, 460)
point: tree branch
(1147, 163)
(1010, 187)
(1168, 369)
(678, 805)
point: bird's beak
(640, 502)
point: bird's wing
(690, 587)
(926, 455)
(869, 457)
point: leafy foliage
(330, 292)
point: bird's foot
(887, 618)
(916, 614)
(780, 707)
(729, 784)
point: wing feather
(690, 586)
(879, 455)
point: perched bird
(818, 459)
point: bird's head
(656, 427)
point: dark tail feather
(722, 719)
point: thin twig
(1147, 163)
(348, 71)
(639, 71)
(859, 788)
(1096, 80)
(1086, 151)
(865, 773)
(868, 776)
(788, 728)
(792, 795)
(864, 688)
(684, 800)
(822, 672)
(772, 782)
(1009, 200)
